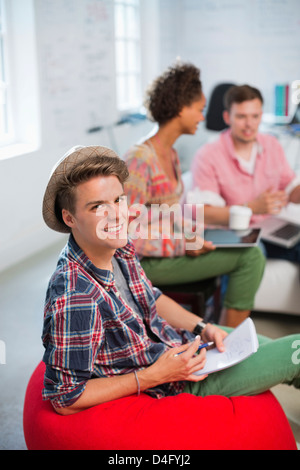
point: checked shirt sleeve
(72, 336)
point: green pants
(276, 361)
(244, 266)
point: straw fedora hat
(59, 172)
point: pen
(203, 345)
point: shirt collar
(227, 135)
(103, 276)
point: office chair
(194, 295)
(214, 115)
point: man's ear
(226, 117)
(67, 218)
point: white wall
(73, 97)
(239, 41)
(257, 41)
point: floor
(21, 305)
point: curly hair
(177, 87)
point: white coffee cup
(239, 217)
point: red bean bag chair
(182, 422)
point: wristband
(138, 383)
(199, 328)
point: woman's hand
(204, 246)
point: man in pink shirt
(245, 167)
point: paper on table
(239, 344)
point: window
(128, 61)
(5, 124)
(19, 98)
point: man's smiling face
(100, 219)
(244, 120)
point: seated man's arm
(205, 181)
(170, 367)
(101, 390)
(179, 317)
(175, 314)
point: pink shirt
(216, 168)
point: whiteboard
(76, 63)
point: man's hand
(182, 362)
(269, 202)
(172, 366)
(215, 334)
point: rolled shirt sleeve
(73, 334)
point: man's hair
(177, 87)
(82, 172)
(239, 94)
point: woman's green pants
(244, 266)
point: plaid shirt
(90, 331)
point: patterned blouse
(149, 186)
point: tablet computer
(226, 238)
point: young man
(107, 332)
(246, 167)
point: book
(278, 100)
(241, 343)
(286, 100)
(281, 100)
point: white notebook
(239, 344)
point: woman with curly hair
(175, 101)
